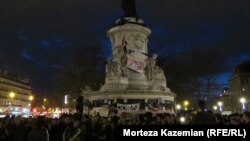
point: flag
(124, 44)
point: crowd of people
(97, 128)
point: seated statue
(151, 64)
(159, 74)
(113, 68)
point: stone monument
(132, 75)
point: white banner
(103, 111)
(136, 64)
(128, 107)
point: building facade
(239, 86)
(15, 94)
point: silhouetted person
(246, 117)
(17, 130)
(79, 105)
(203, 116)
(40, 132)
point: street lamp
(243, 101)
(12, 95)
(215, 108)
(178, 106)
(45, 102)
(220, 105)
(186, 103)
(182, 120)
(31, 98)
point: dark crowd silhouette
(96, 128)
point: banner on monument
(103, 111)
(136, 64)
(128, 107)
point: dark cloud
(37, 35)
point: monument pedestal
(132, 77)
(115, 84)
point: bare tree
(194, 73)
(86, 68)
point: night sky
(37, 36)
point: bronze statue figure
(129, 8)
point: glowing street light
(31, 98)
(186, 104)
(178, 106)
(182, 120)
(45, 102)
(12, 94)
(243, 101)
(66, 99)
(215, 108)
(220, 105)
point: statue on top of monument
(129, 8)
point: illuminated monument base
(133, 79)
